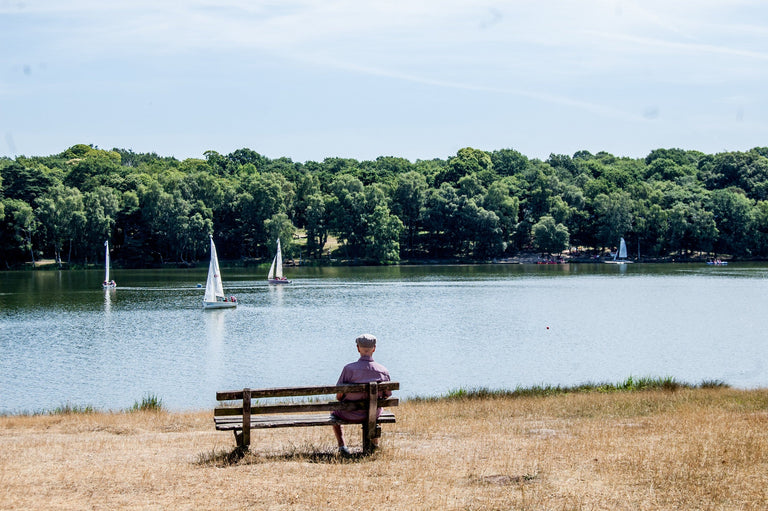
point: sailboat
(620, 257)
(214, 290)
(107, 284)
(275, 275)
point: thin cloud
(540, 96)
(666, 46)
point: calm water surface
(64, 340)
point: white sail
(622, 249)
(107, 284)
(214, 289)
(278, 261)
(106, 259)
(620, 257)
(275, 275)
(271, 274)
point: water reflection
(214, 329)
(276, 293)
(108, 292)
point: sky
(309, 80)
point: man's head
(366, 344)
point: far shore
(522, 258)
(667, 448)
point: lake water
(64, 340)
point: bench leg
(240, 449)
(239, 440)
(368, 438)
(367, 444)
(370, 425)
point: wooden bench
(244, 415)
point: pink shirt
(363, 371)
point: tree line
(476, 205)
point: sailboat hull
(278, 281)
(219, 305)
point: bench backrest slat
(231, 395)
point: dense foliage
(476, 205)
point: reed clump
(148, 403)
(692, 448)
(630, 384)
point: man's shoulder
(380, 369)
(374, 364)
(380, 366)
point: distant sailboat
(214, 290)
(275, 275)
(107, 284)
(620, 257)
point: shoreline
(154, 403)
(526, 258)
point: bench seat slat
(287, 421)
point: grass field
(700, 448)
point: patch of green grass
(69, 408)
(713, 384)
(150, 402)
(631, 384)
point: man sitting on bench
(363, 371)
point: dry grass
(689, 449)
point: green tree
(19, 228)
(732, 212)
(280, 226)
(614, 217)
(550, 237)
(479, 230)
(62, 214)
(26, 183)
(101, 208)
(307, 185)
(651, 227)
(466, 162)
(316, 224)
(508, 162)
(407, 202)
(179, 228)
(383, 234)
(691, 228)
(440, 219)
(499, 201)
(759, 226)
(748, 171)
(94, 168)
(263, 196)
(346, 209)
